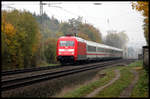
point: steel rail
(16, 83)
(27, 70)
(10, 72)
(43, 74)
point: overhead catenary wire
(65, 2)
(52, 3)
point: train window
(91, 49)
(101, 49)
(66, 43)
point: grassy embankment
(114, 90)
(141, 89)
(45, 64)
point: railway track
(24, 81)
(27, 70)
(11, 72)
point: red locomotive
(71, 49)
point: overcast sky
(118, 16)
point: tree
(93, 33)
(84, 36)
(143, 6)
(52, 28)
(116, 39)
(50, 50)
(75, 23)
(49, 26)
(65, 28)
(9, 44)
(19, 31)
(123, 38)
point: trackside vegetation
(141, 89)
(114, 90)
(118, 86)
(20, 39)
(84, 90)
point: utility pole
(41, 10)
(42, 27)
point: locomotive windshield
(66, 43)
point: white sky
(121, 16)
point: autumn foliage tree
(9, 43)
(92, 33)
(143, 6)
(50, 50)
(19, 39)
(83, 30)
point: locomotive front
(66, 49)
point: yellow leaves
(84, 36)
(6, 27)
(20, 40)
(7, 41)
(141, 6)
(89, 32)
(9, 30)
(39, 36)
(34, 48)
(144, 7)
(59, 34)
(146, 20)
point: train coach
(71, 49)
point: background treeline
(51, 29)
(28, 41)
(116, 39)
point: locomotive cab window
(66, 43)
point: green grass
(114, 90)
(140, 89)
(136, 64)
(44, 65)
(142, 86)
(84, 90)
(118, 86)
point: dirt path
(128, 90)
(117, 72)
